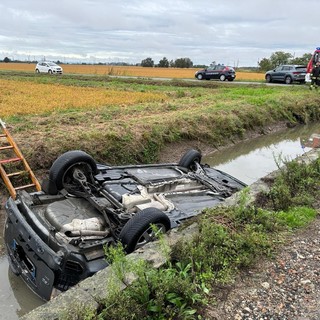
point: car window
(301, 69)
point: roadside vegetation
(129, 130)
(130, 120)
(230, 240)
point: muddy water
(15, 297)
(248, 161)
(251, 160)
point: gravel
(284, 288)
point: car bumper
(28, 255)
(44, 269)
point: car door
(285, 70)
(43, 67)
(216, 72)
(278, 74)
(209, 73)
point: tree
(302, 60)
(183, 63)
(163, 63)
(280, 57)
(265, 64)
(6, 60)
(148, 62)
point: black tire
(288, 80)
(37, 71)
(50, 71)
(230, 79)
(222, 77)
(200, 76)
(189, 159)
(60, 172)
(268, 78)
(138, 230)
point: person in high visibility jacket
(315, 76)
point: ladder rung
(10, 160)
(18, 173)
(25, 186)
(6, 147)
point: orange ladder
(18, 157)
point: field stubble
(182, 73)
(130, 121)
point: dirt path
(285, 288)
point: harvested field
(129, 71)
(20, 98)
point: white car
(48, 67)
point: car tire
(230, 79)
(200, 76)
(60, 171)
(288, 80)
(138, 230)
(222, 77)
(50, 71)
(189, 159)
(37, 71)
(268, 78)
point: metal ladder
(10, 147)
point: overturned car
(55, 237)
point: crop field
(185, 73)
(23, 97)
(128, 120)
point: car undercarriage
(56, 237)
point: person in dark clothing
(315, 76)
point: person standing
(315, 76)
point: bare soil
(284, 288)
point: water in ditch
(248, 161)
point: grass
(130, 120)
(129, 132)
(230, 239)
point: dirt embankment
(173, 151)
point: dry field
(22, 97)
(129, 71)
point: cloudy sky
(234, 32)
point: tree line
(165, 63)
(279, 57)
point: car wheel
(200, 76)
(189, 159)
(50, 71)
(138, 230)
(230, 79)
(61, 173)
(37, 71)
(288, 80)
(268, 78)
(222, 77)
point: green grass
(230, 239)
(212, 112)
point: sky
(233, 32)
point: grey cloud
(128, 30)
